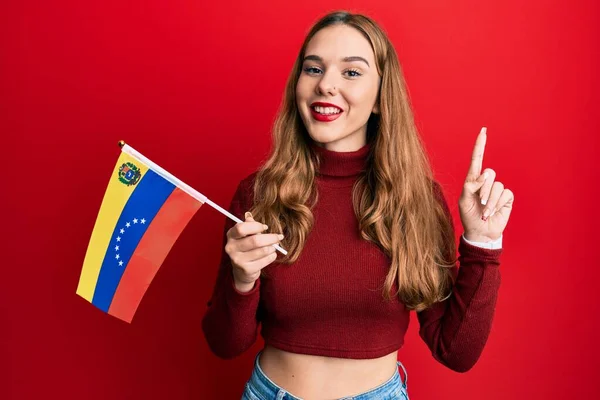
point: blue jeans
(260, 387)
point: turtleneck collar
(340, 168)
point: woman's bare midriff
(316, 377)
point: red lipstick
(324, 117)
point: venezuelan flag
(143, 212)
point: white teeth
(327, 110)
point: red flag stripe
(171, 219)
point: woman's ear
(377, 101)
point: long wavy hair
(396, 200)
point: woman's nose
(327, 85)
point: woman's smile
(325, 112)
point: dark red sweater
(330, 301)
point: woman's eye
(353, 73)
(312, 70)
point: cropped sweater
(330, 303)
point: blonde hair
(399, 206)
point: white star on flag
(122, 231)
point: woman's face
(337, 89)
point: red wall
(195, 87)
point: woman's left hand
(484, 204)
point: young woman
(368, 232)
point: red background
(194, 86)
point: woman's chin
(324, 135)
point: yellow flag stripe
(116, 196)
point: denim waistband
(260, 387)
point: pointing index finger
(477, 157)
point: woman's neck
(340, 168)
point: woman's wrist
(478, 238)
(243, 287)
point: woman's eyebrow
(313, 57)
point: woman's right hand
(250, 251)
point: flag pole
(181, 185)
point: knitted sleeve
(456, 330)
(230, 323)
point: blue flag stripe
(138, 213)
